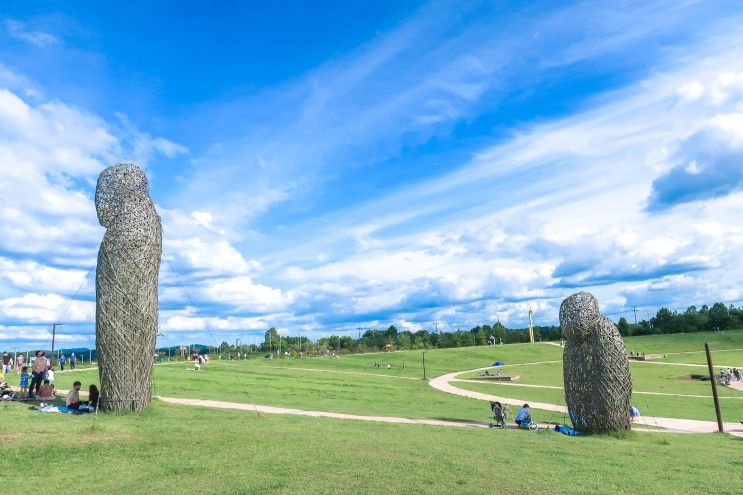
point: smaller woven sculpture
(598, 382)
(126, 288)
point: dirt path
(443, 384)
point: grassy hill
(222, 451)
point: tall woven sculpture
(126, 288)
(598, 383)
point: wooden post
(424, 365)
(714, 386)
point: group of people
(38, 382)
(9, 363)
(64, 360)
(72, 401)
(522, 418)
(41, 374)
(728, 375)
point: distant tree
(500, 332)
(422, 339)
(465, 339)
(404, 340)
(719, 317)
(663, 321)
(624, 328)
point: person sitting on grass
(50, 375)
(523, 417)
(634, 413)
(73, 396)
(94, 396)
(46, 391)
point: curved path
(317, 414)
(443, 384)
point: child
(50, 375)
(46, 392)
(25, 377)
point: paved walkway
(323, 414)
(672, 424)
(667, 363)
(323, 370)
(318, 414)
(554, 387)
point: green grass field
(224, 451)
(212, 451)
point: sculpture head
(579, 313)
(117, 185)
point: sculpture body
(598, 382)
(126, 288)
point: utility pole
(714, 386)
(634, 310)
(531, 327)
(436, 326)
(54, 334)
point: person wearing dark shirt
(93, 396)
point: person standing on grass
(73, 361)
(62, 361)
(20, 362)
(38, 373)
(7, 363)
(25, 376)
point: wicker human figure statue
(598, 383)
(126, 288)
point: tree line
(719, 317)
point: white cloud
(31, 275)
(46, 308)
(19, 30)
(243, 294)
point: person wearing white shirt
(50, 375)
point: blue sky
(355, 164)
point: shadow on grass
(460, 420)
